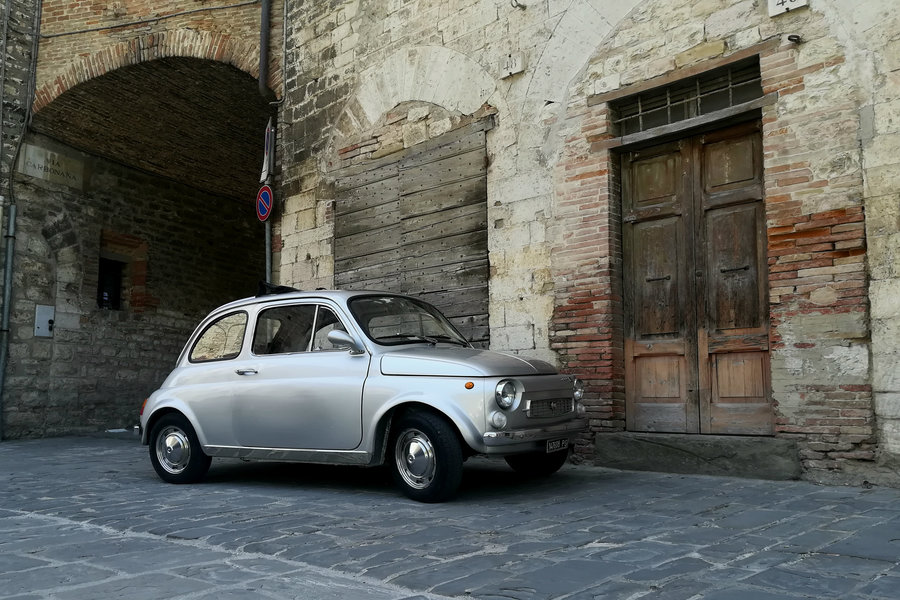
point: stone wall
(182, 259)
(876, 36)
(18, 24)
(554, 220)
(363, 79)
(815, 198)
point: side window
(326, 321)
(284, 329)
(221, 340)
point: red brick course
(83, 40)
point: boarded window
(418, 225)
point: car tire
(426, 457)
(537, 464)
(175, 450)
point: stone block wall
(363, 80)
(554, 220)
(879, 137)
(182, 259)
(349, 64)
(16, 69)
(823, 348)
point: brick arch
(433, 74)
(186, 43)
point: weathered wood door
(696, 330)
(418, 225)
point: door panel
(731, 253)
(295, 390)
(695, 286)
(656, 246)
(308, 400)
(739, 389)
(660, 377)
(733, 273)
(661, 384)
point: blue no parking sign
(264, 202)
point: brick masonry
(84, 40)
(830, 151)
(555, 236)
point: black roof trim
(267, 289)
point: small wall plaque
(777, 7)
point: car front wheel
(537, 464)
(426, 457)
(175, 450)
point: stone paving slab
(87, 518)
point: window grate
(693, 97)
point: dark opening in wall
(109, 284)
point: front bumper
(523, 440)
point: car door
(296, 391)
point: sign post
(265, 199)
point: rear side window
(221, 340)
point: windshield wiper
(410, 337)
(450, 340)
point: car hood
(453, 361)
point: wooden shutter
(418, 226)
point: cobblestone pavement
(87, 518)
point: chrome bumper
(518, 436)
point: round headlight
(506, 393)
(498, 420)
(578, 393)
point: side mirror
(343, 340)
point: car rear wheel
(537, 464)
(426, 457)
(175, 450)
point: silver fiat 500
(355, 378)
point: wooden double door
(695, 280)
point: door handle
(733, 269)
(246, 371)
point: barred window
(696, 96)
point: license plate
(557, 445)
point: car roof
(267, 298)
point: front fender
(447, 396)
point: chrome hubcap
(173, 449)
(414, 456)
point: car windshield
(393, 320)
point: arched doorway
(136, 191)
